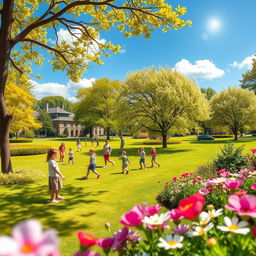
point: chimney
(46, 107)
(62, 105)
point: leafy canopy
(249, 78)
(55, 101)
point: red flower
(192, 206)
(86, 239)
(240, 193)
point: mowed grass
(89, 204)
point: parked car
(204, 137)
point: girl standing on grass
(153, 157)
(92, 165)
(70, 156)
(78, 145)
(62, 151)
(125, 162)
(142, 154)
(55, 176)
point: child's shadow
(114, 173)
(137, 169)
(80, 178)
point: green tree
(161, 100)
(46, 121)
(235, 109)
(25, 25)
(55, 101)
(97, 105)
(208, 92)
(249, 78)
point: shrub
(62, 136)
(140, 135)
(205, 171)
(24, 150)
(230, 158)
(21, 177)
(21, 140)
(223, 136)
(159, 142)
(126, 134)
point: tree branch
(16, 67)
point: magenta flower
(181, 229)
(174, 215)
(86, 253)
(243, 206)
(105, 243)
(186, 174)
(153, 209)
(28, 238)
(224, 174)
(253, 150)
(253, 186)
(134, 217)
(232, 184)
(222, 171)
(204, 191)
(244, 171)
(175, 179)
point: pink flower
(244, 206)
(253, 150)
(224, 174)
(28, 238)
(153, 209)
(241, 177)
(240, 193)
(222, 171)
(105, 243)
(123, 235)
(232, 184)
(86, 253)
(244, 171)
(174, 215)
(254, 161)
(254, 231)
(86, 239)
(204, 191)
(186, 174)
(175, 179)
(181, 229)
(134, 217)
(253, 186)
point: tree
(20, 103)
(161, 100)
(46, 121)
(235, 109)
(208, 92)
(55, 101)
(25, 24)
(98, 104)
(249, 78)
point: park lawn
(89, 204)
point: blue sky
(214, 51)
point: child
(153, 157)
(70, 156)
(142, 154)
(62, 151)
(125, 162)
(92, 164)
(55, 176)
(78, 145)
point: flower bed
(23, 150)
(159, 142)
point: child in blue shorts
(142, 154)
(92, 164)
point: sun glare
(214, 25)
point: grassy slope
(89, 204)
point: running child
(62, 151)
(92, 165)
(107, 149)
(125, 162)
(153, 157)
(78, 145)
(142, 154)
(55, 176)
(70, 156)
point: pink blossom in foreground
(244, 171)
(134, 217)
(232, 184)
(186, 174)
(181, 229)
(86, 253)
(222, 171)
(243, 206)
(224, 174)
(153, 209)
(86, 239)
(240, 193)
(29, 239)
(174, 215)
(253, 186)
(105, 243)
(204, 191)
(253, 150)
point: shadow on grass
(26, 202)
(225, 141)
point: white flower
(200, 231)
(171, 242)
(211, 214)
(218, 180)
(234, 226)
(157, 219)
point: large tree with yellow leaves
(26, 23)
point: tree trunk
(108, 134)
(236, 134)
(5, 51)
(164, 139)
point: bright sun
(214, 25)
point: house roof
(57, 110)
(64, 118)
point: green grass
(91, 203)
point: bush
(62, 136)
(159, 142)
(126, 134)
(23, 150)
(21, 140)
(230, 158)
(140, 135)
(21, 177)
(223, 136)
(205, 171)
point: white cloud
(202, 69)
(245, 63)
(68, 91)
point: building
(63, 123)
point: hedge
(159, 142)
(21, 140)
(223, 136)
(24, 150)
